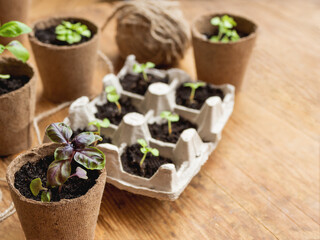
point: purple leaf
(80, 173)
(63, 153)
(59, 132)
(91, 158)
(58, 172)
(85, 139)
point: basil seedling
(141, 68)
(98, 124)
(226, 31)
(72, 32)
(170, 118)
(14, 29)
(193, 87)
(145, 149)
(113, 97)
(77, 149)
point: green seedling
(78, 149)
(145, 149)
(72, 32)
(226, 31)
(14, 29)
(100, 124)
(193, 87)
(141, 68)
(170, 118)
(113, 97)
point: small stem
(193, 91)
(118, 106)
(142, 160)
(145, 76)
(99, 129)
(169, 127)
(220, 33)
(60, 187)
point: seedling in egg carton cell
(170, 118)
(113, 97)
(141, 68)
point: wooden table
(262, 182)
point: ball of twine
(151, 30)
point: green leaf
(173, 118)
(36, 186)
(225, 39)
(215, 21)
(18, 50)
(110, 89)
(214, 39)
(46, 196)
(137, 68)
(4, 76)
(2, 48)
(59, 132)
(14, 29)
(142, 142)
(194, 85)
(62, 38)
(86, 33)
(154, 151)
(113, 97)
(91, 158)
(165, 114)
(105, 123)
(144, 150)
(149, 65)
(95, 123)
(58, 172)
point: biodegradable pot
(66, 71)
(17, 109)
(16, 10)
(220, 63)
(67, 219)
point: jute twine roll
(152, 30)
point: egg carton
(190, 152)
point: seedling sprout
(100, 124)
(193, 87)
(226, 31)
(145, 149)
(113, 97)
(141, 68)
(72, 32)
(170, 118)
(14, 29)
(78, 149)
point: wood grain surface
(262, 182)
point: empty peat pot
(17, 107)
(66, 71)
(217, 62)
(13, 10)
(73, 219)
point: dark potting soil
(131, 157)
(104, 138)
(13, 83)
(109, 110)
(137, 84)
(48, 35)
(160, 131)
(74, 187)
(201, 95)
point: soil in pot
(109, 110)
(13, 83)
(131, 158)
(201, 95)
(137, 84)
(48, 35)
(104, 138)
(160, 131)
(74, 187)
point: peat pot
(221, 63)
(66, 71)
(72, 219)
(17, 109)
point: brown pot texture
(67, 219)
(17, 109)
(66, 71)
(14, 10)
(221, 63)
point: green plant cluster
(226, 26)
(72, 32)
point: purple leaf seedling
(77, 149)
